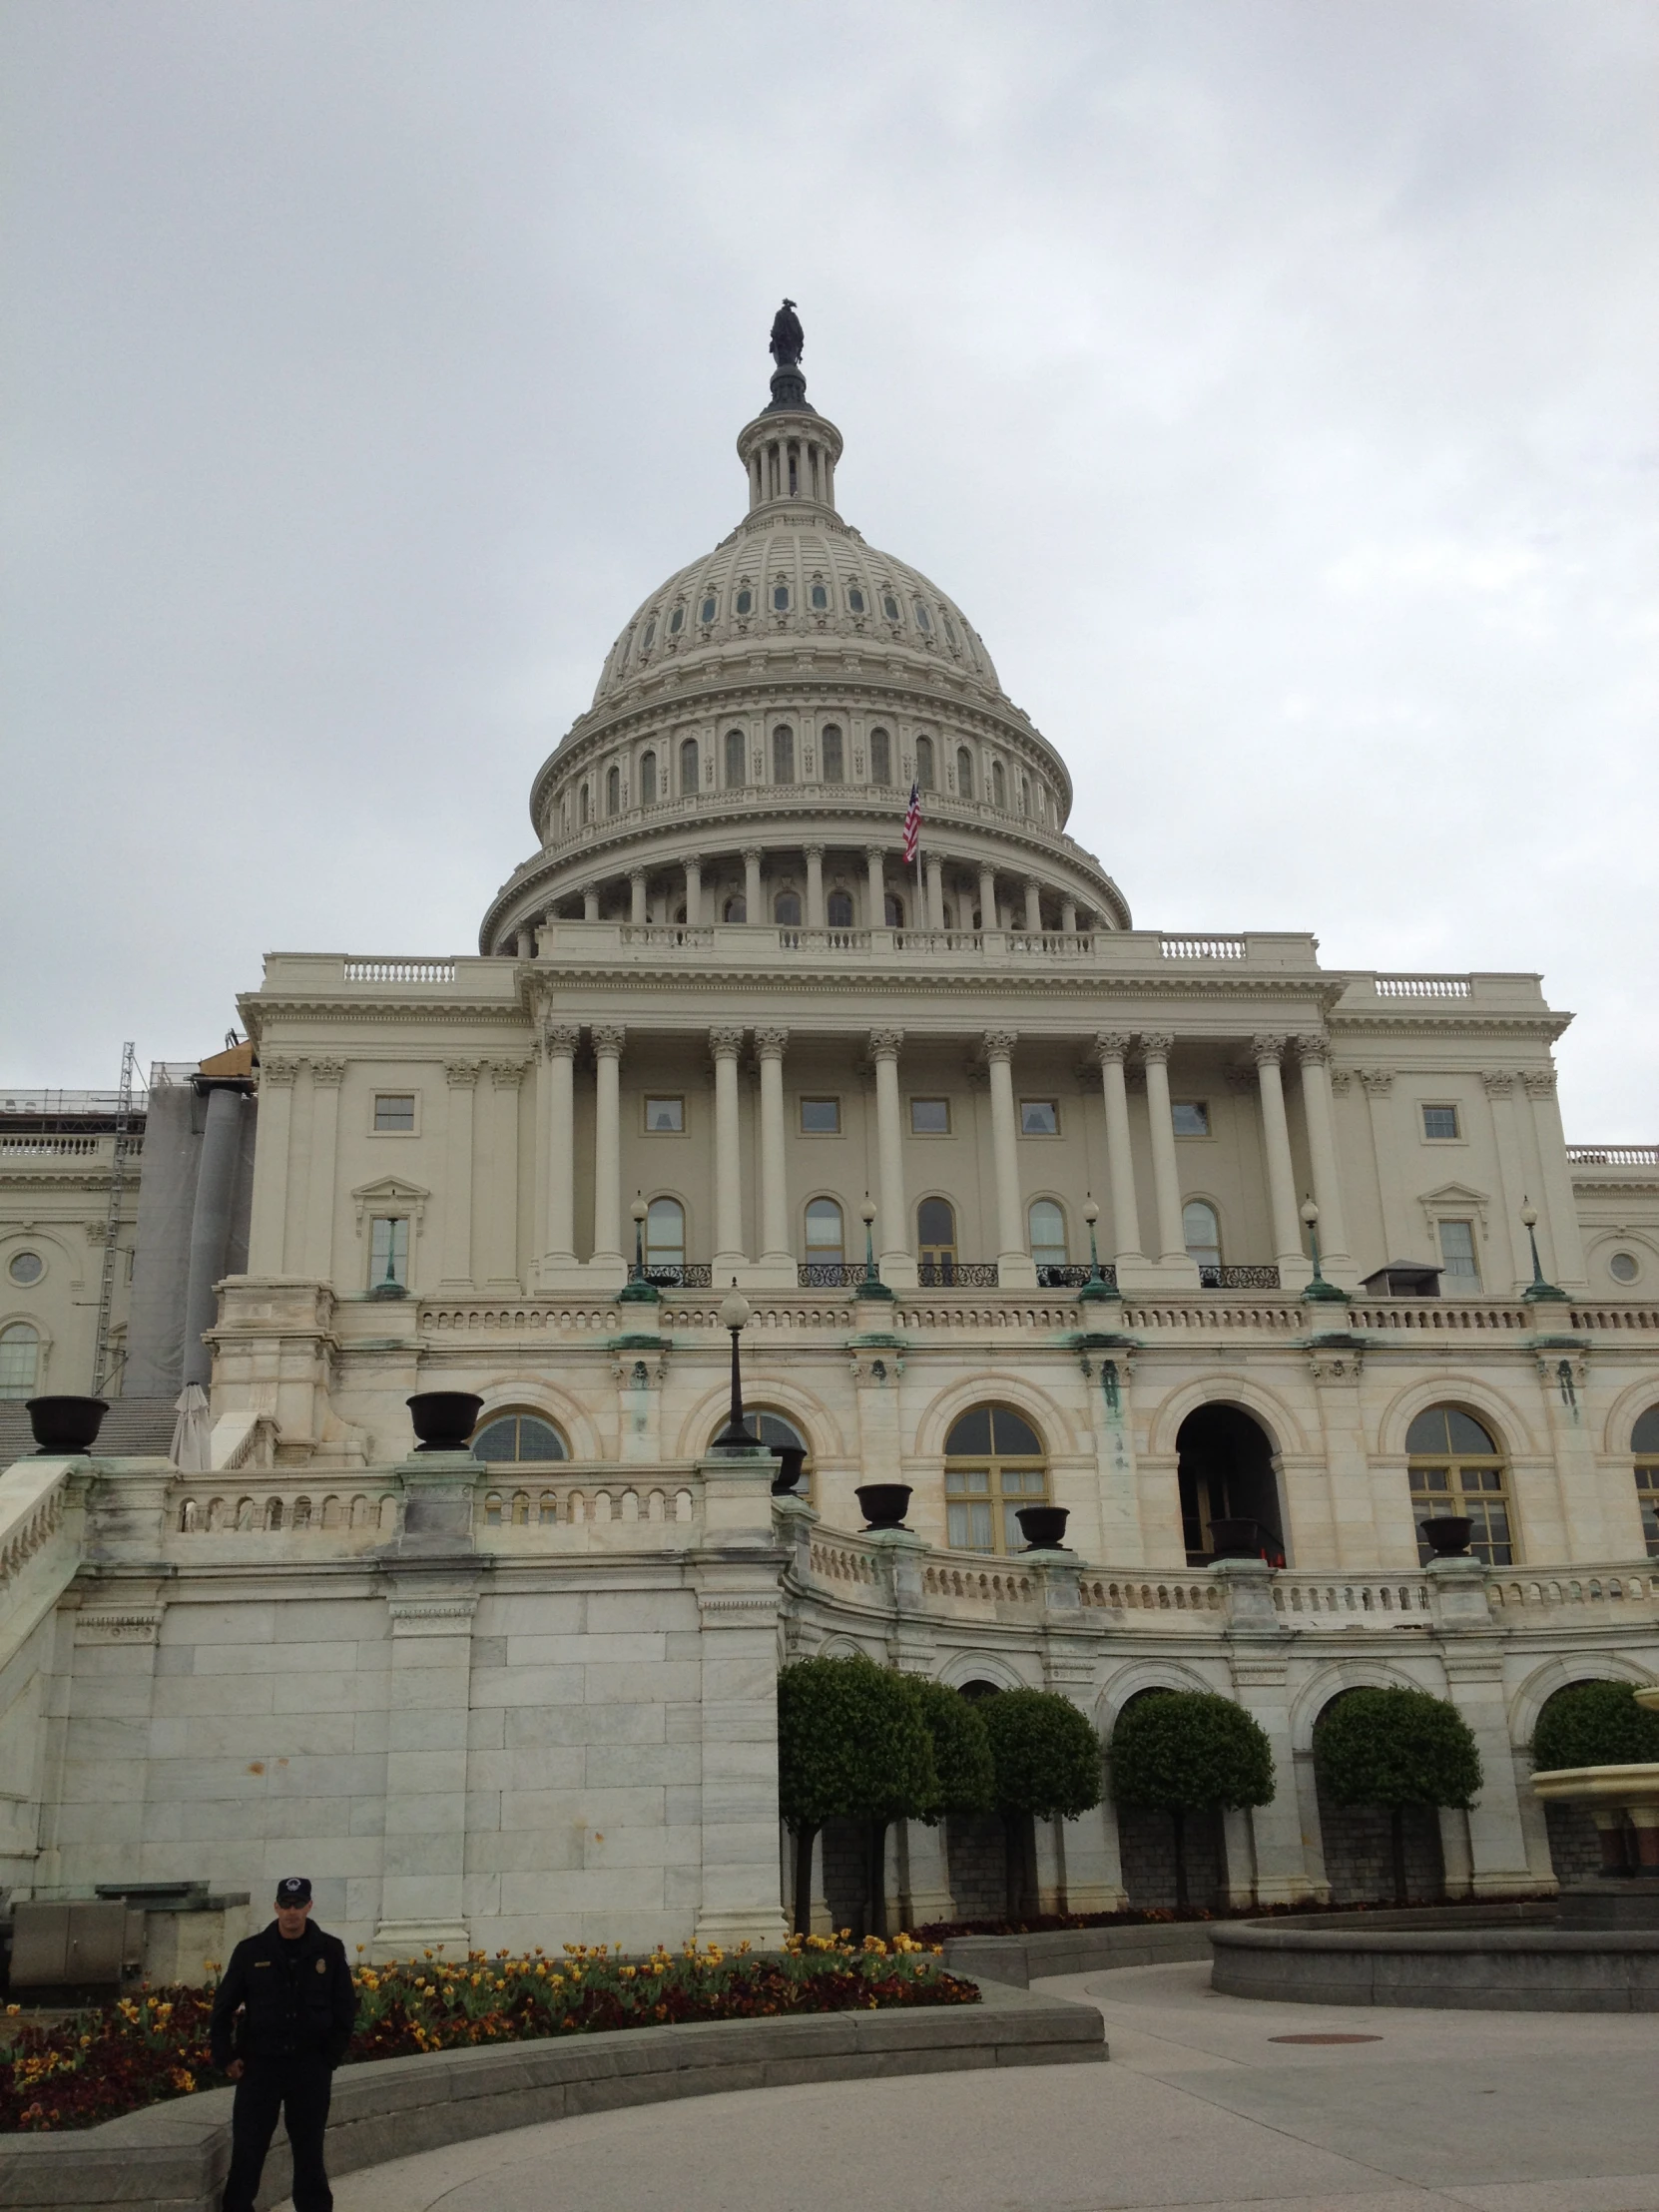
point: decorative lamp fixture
(1537, 1291)
(1319, 1289)
(736, 1436)
(639, 1288)
(1097, 1285)
(872, 1285)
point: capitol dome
(793, 683)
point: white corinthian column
(1294, 1270)
(608, 1258)
(1172, 1262)
(725, 1045)
(1014, 1267)
(899, 1267)
(777, 1263)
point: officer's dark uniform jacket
(296, 1999)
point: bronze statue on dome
(788, 337)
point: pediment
(390, 1193)
(1456, 1197)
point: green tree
(1046, 1761)
(1186, 1750)
(1394, 1748)
(963, 1764)
(1595, 1724)
(851, 1745)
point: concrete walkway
(1200, 2106)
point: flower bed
(1158, 1915)
(139, 2051)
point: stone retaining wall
(1018, 1960)
(174, 2157)
(1497, 1967)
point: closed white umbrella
(191, 1430)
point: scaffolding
(124, 1146)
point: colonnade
(1157, 1260)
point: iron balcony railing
(830, 1274)
(1238, 1279)
(694, 1274)
(957, 1274)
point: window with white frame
(1440, 1124)
(388, 1250)
(1457, 1254)
(395, 1113)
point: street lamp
(638, 1289)
(1537, 1291)
(1097, 1285)
(1319, 1287)
(872, 1285)
(736, 1436)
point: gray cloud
(1272, 382)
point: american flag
(912, 826)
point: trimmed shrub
(962, 1764)
(1187, 1751)
(1046, 1761)
(1595, 1724)
(1394, 1748)
(851, 1744)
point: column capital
(507, 1075)
(998, 1044)
(461, 1075)
(638, 874)
(1314, 1050)
(329, 1073)
(278, 1075)
(725, 1044)
(874, 853)
(1267, 1050)
(814, 852)
(885, 1044)
(1539, 1082)
(1111, 1044)
(1499, 1082)
(561, 1040)
(752, 855)
(1156, 1045)
(608, 1039)
(771, 1044)
(1378, 1082)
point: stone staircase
(133, 1428)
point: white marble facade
(532, 1702)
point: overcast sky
(1271, 380)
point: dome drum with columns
(1180, 1232)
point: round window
(1622, 1267)
(26, 1266)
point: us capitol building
(1248, 1263)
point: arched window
(650, 638)
(516, 1436)
(613, 790)
(993, 1464)
(924, 762)
(687, 767)
(783, 753)
(881, 756)
(893, 911)
(999, 785)
(648, 780)
(585, 807)
(1201, 1232)
(835, 757)
(665, 1241)
(1025, 795)
(837, 911)
(708, 610)
(745, 602)
(1644, 1446)
(936, 1241)
(923, 622)
(1047, 1227)
(785, 910)
(819, 598)
(825, 1241)
(736, 746)
(1225, 1473)
(736, 908)
(1458, 1468)
(964, 773)
(19, 1360)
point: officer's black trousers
(299, 2089)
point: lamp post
(1537, 1291)
(1319, 1289)
(736, 1436)
(638, 1290)
(1097, 1285)
(872, 1285)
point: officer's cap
(294, 1891)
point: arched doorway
(1227, 1475)
(1359, 1846)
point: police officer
(281, 2020)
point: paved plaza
(1200, 2106)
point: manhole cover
(1324, 2038)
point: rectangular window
(388, 1252)
(967, 1513)
(1040, 1117)
(395, 1113)
(665, 1117)
(1440, 1124)
(1647, 1497)
(1191, 1117)
(821, 1117)
(929, 1117)
(1457, 1252)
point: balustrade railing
(1613, 1154)
(397, 971)
(1205, 948)
(1422, 986)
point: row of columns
(932, 915)
(1138, 1267)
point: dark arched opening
(1226, 1477)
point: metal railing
(1238, 1279)
(691, 1274)
(829, 1275)
(957, 1274)
(1071, 1276)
